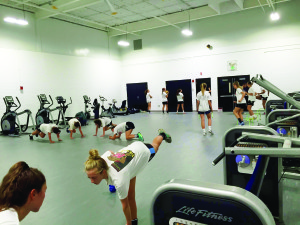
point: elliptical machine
(106, 112)
(87, 102)
(10, 123)
(63, 106)
(119, 111)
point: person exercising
(22, 191)
(165, 95)
(180, 101)
(251, 99)
(74, 124)
(241, 103)
(106, 123)
(44, 129)
(263, 95)
(127, 128)
(121, 168)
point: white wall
(259, 45)
(42, 58)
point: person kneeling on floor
(43, 129)
(74, 124)
(127, 128)
(106, 123)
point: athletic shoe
(211, 132)
(140, 136)
(204, 133)
(255, 117)
(168, 137)
(242, 123)
(30, 137)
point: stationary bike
(119, 111)
(106, 112)
(63, 108)
(87, 102)
(10, 123)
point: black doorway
(226, 92)
(199, 81)
(136, 95)
(186, 87)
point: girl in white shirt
(74, 124)
(240, 104)
(148, 99)
(165, 95)
(121, 168)
(251, 99)
(204, 107)
(263, 95)
(43, 129)
(106, 123)
(22, 191)
(180, 100)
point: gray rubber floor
(72, 200)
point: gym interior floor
(72, 199)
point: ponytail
(178, 91)
(17, 185)
(95, 161)
(237, 84)
(203, 88)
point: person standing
(22, 191)
(148, 99)
(165, 95)
(251, 99)
(241, 103)
(204, 107)
(263, 95)
(180, 100)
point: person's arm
(71, 134)
(150, 96)
(57, 135)
(126, 210)
(81, 132)
(49, 136)
(210, 106)
(115, 136)
(243, 95)
(103, 132)
(96, 130)
(198, 102)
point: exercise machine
(10, 122)
(62, 119)
(119, 111)
(186, 202)
(44, 114)
(87, 102)
(106, 112)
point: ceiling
(133, 16)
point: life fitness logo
(204, 213)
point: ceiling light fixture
(112, 9)
(188, 32)
(16, 21)
(122, 42)
(275, 16)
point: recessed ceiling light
(123, 43)
(187, 32)
(275, 16)
(16, 21)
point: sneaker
(30, 137)
(211, 132)
(140, 136)
(204, 133)
(168, 138)
(255, 117)
(242, 123)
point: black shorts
(164, 103)
(264, 98)
(181, 102)
(38, 128)
(242, 106)
(129, 126)
(152, 151)
(108, 125)
(250, 103)
(207, 112)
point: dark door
(226, 92)
(199, 81)
(136, 95)
(186, 87)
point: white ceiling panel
(124, 13)
(142, 6)
(134, 18)
(101, 7)
(101, 16)
(151, 13)
(84, 12)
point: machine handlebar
(51, 102)
(19, 103)
(218, 159)
(102, 98)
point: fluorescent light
(16, 21)
(123, 43)
(187, 32)
(275, 16)
(82, 52)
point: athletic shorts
(109, 125)
(129, 126)
(164, 103)
(264, 98)
(148, 101)
(181, 102)
(38, 128)
(242, 106)
(152, 151)
(207, 112)
(250, 103)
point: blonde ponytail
(95, 161)
(237, 84)
(203, 88)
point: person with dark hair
(106, 123)
(251, 100)
(74, 124)
(164, 95)
(245, 90)
(148, 99)
(22, 191)
(43, 129)
(241, 103)
(180, 100)
(127, 128)
(121, 168)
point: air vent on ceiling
(137, 44)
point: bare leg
(178, 107)
(202, 121)
(236, 112)
(129, 135)
(249, 107)
(264, 103)
(167, 109)
(241, 114)
(209, 119)
(163, 107)
(42, 135)
(182, 107)
(35, 132)
(131, 198)
(157, 142)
